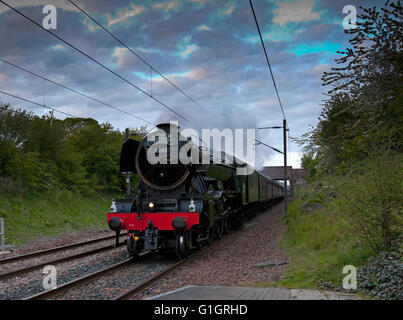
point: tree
(372, 70)
(364, 106)
(40, 154)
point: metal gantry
(284, 152)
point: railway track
(18, 272)
(55, 249)
(146, 284)
(137, 289)
(76, 282)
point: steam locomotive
(182, 207)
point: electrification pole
(284, 152)
(285, 165)
(127, 135)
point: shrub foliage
(382, 277)
(40, 154)
(354, 157)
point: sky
(208, 48)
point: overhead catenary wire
(267, 58)
(74, 91)
(133, 52)
(38, 104)
(271, 73)
(275, 149)
(93, 59)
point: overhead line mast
(284, 127)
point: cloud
(119, 53)
(148, 50)
(224, 71)
(124, 14)
(167, 6)
(58, 47)
(293, 159)
(203, 27)
(197, 74)
(276, 33)
(200, 2)
(60, 4)
(295, 11)
(316, 72)
(229, 10)
(90, 24)
(186, 48)
(3, 77)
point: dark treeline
(40, 154)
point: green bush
(382, 277)
(352, 207)
(30, 171)
(56, 175)
(43, 153)
(344, 220)
(370, 196)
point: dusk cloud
(295, 11)
(125, 14)
(167, 6)
(210, 49)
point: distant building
(297, 177)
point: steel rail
(45, 251)
(76, 282)
(146, 284)
(11, 274)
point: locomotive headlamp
(151, 205)
(113, 207)
(192, 207)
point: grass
(320, 243)
(30, 217)
(342, 220)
